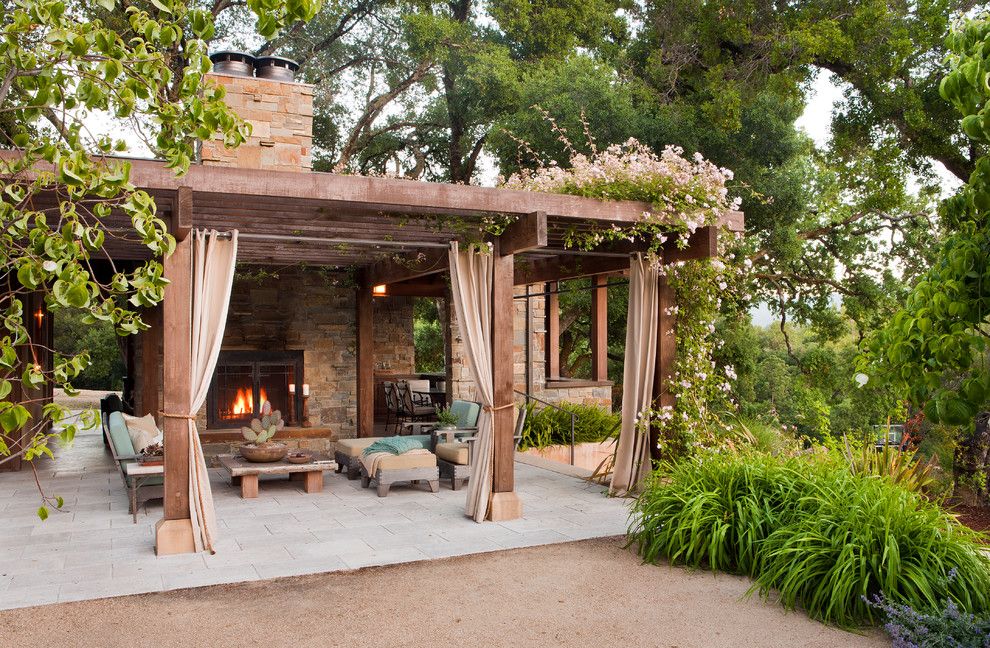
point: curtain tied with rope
(471, 278)
(213, 260)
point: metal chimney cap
(276, 61)
(232, 55)
(276, 68)
(233, 63)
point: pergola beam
(386, 195)
(528, 232)
(408, 266)
(614, 258)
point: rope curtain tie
(188, 417)
(492, 408)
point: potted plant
(446, 420)
(260, 448)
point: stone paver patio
(94, 549)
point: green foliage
(551, 426)
(58, 65)
(428, 336)
(99, 342)
(906, 468)
(935, 348)
(808, 388)
(446, 418)
(807, 529)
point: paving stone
(96, 550)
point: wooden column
(599, 327)
(174, 533)
(506, 504)
(666, 353)
(151, 364)
(365, 361)
(552, 336)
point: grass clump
(551, 426)
(807, 528)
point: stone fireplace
(245, 380)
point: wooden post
(365, 361)
(552, 336)
(174, 533)
(506, 504)
(151, 364)
(666, 353)
(599, 328)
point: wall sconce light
(305, 390)
(39, 317)
(292, 388)
(380, 290)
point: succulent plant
(262, 430)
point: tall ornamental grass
(805, 527)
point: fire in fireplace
(245, 380)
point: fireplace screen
(245, 380)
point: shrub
(809, 529)
(946, 627)
(551, 426)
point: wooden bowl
(264, 453)
(298, 457)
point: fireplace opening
(245, 380)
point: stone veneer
(584, 392)
(304, 310)
(281, 117)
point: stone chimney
(279, 110)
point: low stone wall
(586, 455)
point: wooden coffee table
(246, 473)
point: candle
(305, 389)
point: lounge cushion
(455, 453)
(119, 434)
(143, 431)
(466, 412)
(354, 447)
(408, 460)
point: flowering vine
(684, 194)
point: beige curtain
(632, 456)
(471, 276)
(213, 274)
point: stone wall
(303, 310)
(584, 392)
(281, 117)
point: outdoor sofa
(140, 489)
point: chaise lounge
(348, 452)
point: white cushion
(143, 431)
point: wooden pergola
(392, 232)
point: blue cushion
(467, 413)
(119, 435)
